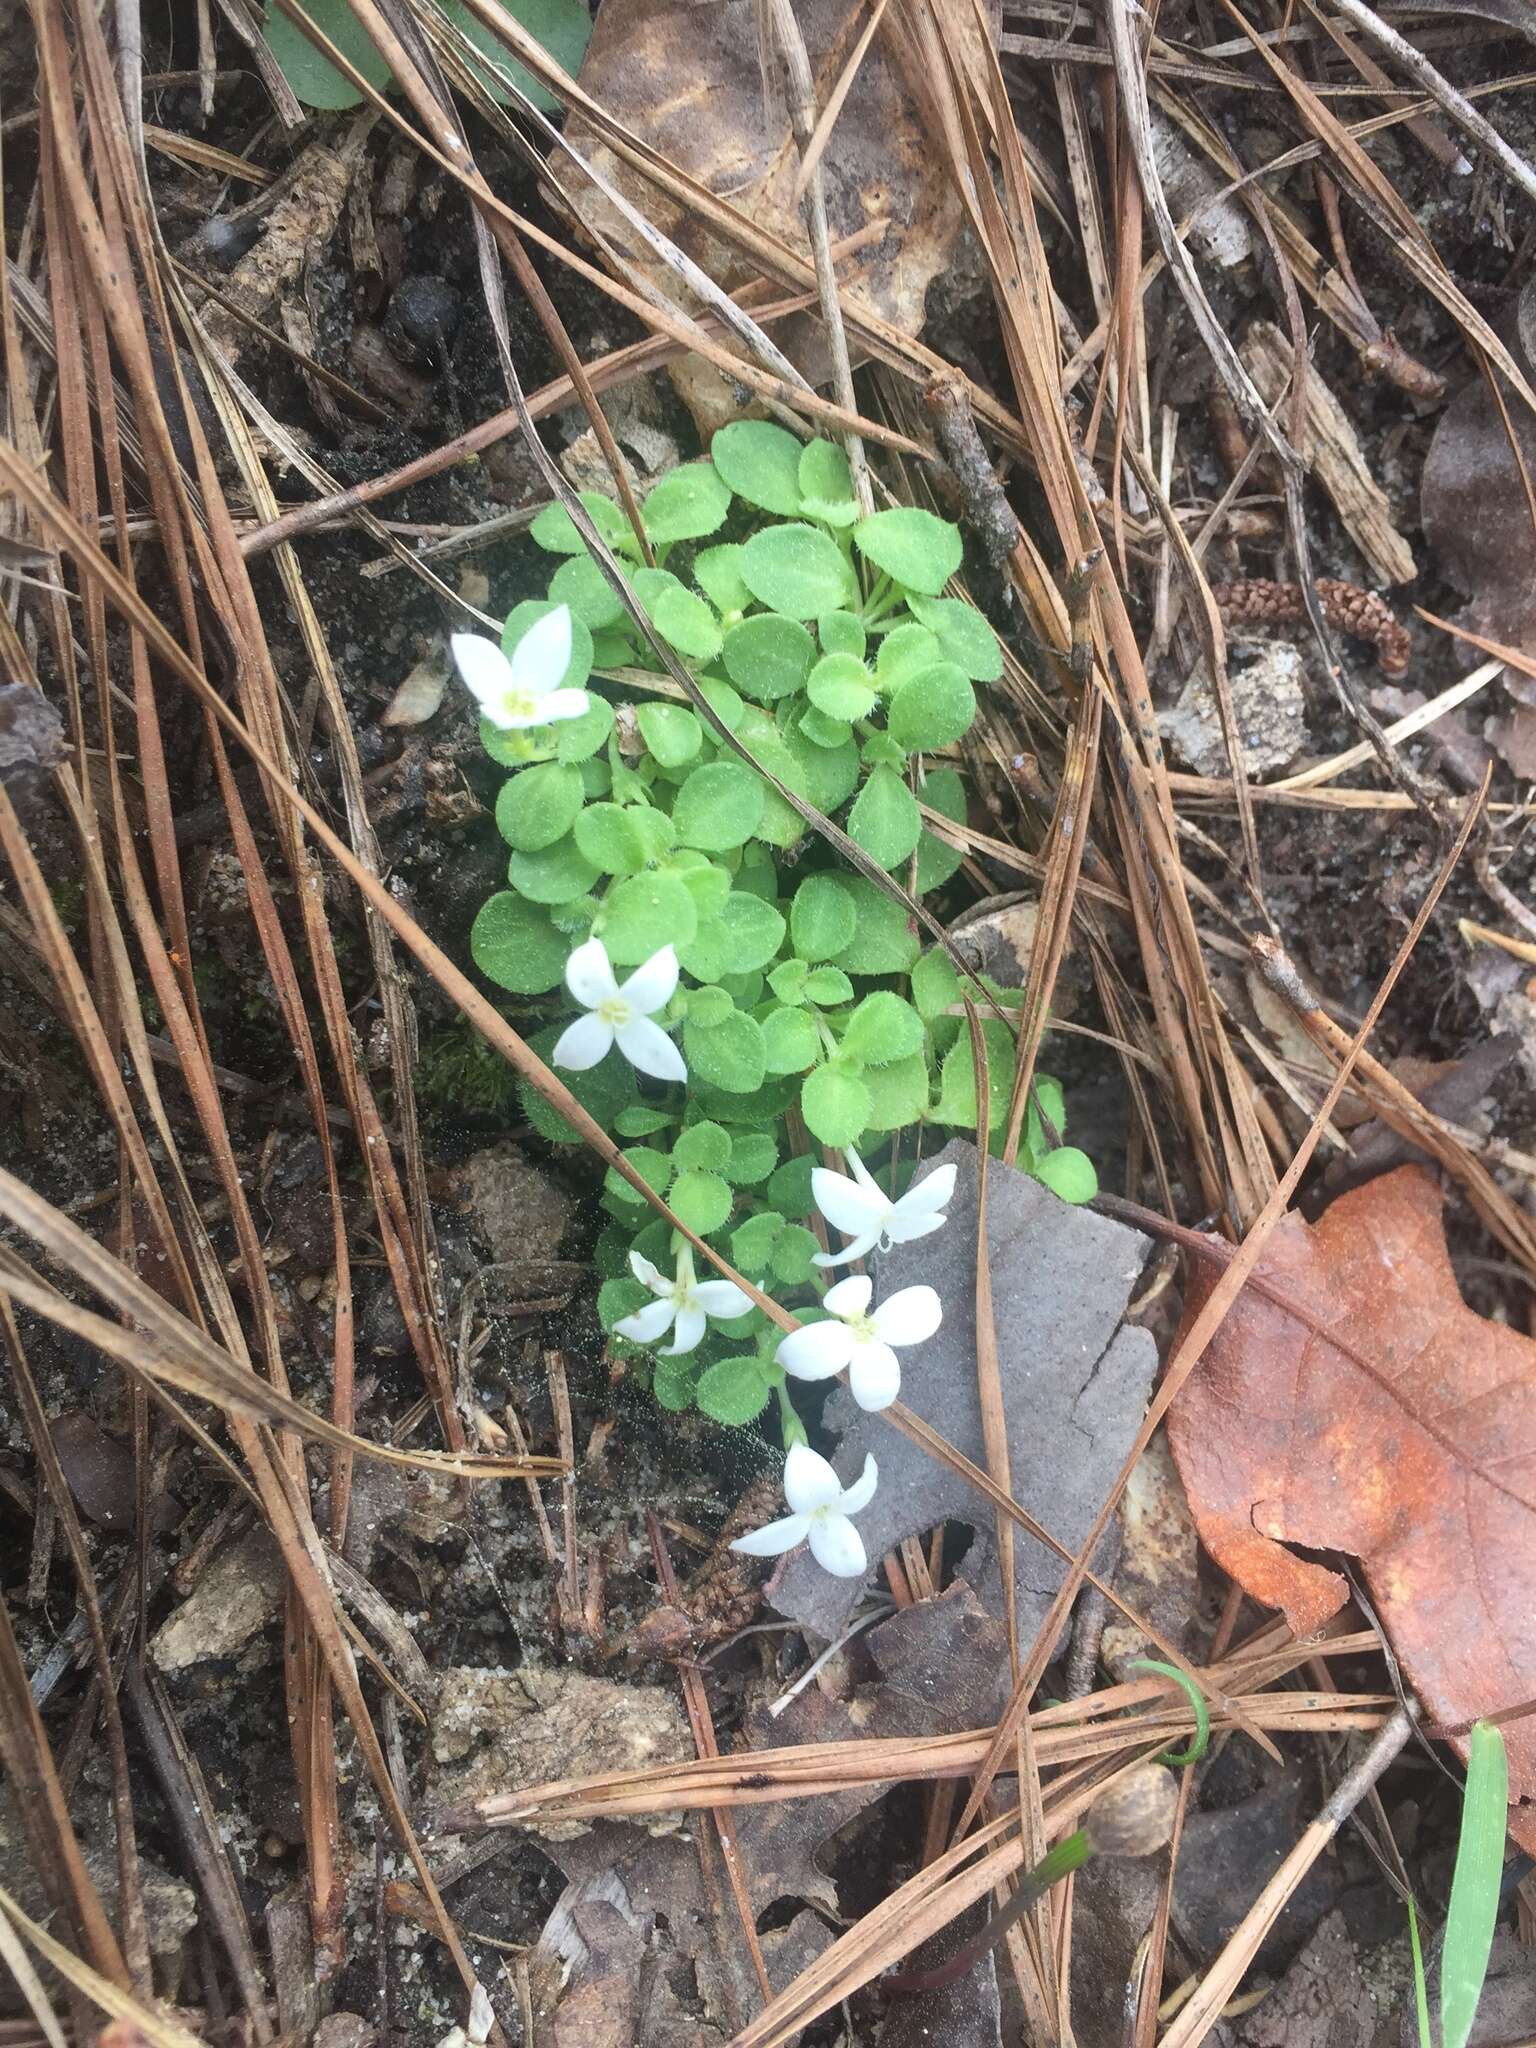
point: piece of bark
(1338, 461)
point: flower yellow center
(615, 1012)
(863, 1327)
(520, 707)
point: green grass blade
(1420, 1988)
(1475, 1887)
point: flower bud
(1134, 1816)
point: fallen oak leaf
(1388, 1420)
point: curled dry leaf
(686, 80)
(1409, 1440)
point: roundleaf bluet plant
(721, 991)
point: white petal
(774, 1538)
(541, 658)
(653, 984)
(903, 1229)
(689, 1333)
(721, 1298)
(849, 1297)
(838, 1547)
(648, 1323)
(649, 1050)
(862, 1491)
(486, 671)
(589, 975)
(582, 1044)
(809, 1481)
(562, 704)
(931, 1193)
(844, 1203)
(646, 1273)
(856, 1250)
(908, 1317)
(874, 1377)
(816, 1352)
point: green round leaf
(1046, 1100)
(704, 1146)
(793, 1259)
(654, 1168)
(717, 571)
(798, 571)
(602, 1091)
(641, 1122)
(752, 1242)
(701, 1200)
(687, 623)
(671, 732)
(957, 1088)
(914, 548)
(754, 1155)
(828, 776)
(610, 837)
(842, 633)
(898, 1094)
(555, 531)
(674, 1383)
(828, 987)
(761, 463)
(539, 806)
(791, 1041)
(728, 1055)
(315, 80)
(932, 708)
(689, 502)
(944, 792)
(708, 885)
(562, 26)
(883, 1028)
(839, 685)
(733, 1391)
(709, 1006)
(935, 984)
(789, 1186)
(642, 914)
(835, 1104)
(885, 819)
(824, 473)
(1069, 1173)
(745, 934)
(965, 638)
(579, 583)
(578, 739)
(718, 807)
(767, 657)
(904, 651)
(787, 980)
(821, 918)
(555, 874)
(881, 942)
(822, 731)
(514, 944)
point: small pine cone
(1256, 601)
(1365, 616)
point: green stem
(791, 1428)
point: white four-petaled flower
(620, 1014)
(681, 1305)
(862, 1209)
(524, 689)
(819, 1506)
(861, 1340)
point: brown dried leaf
(686, 80)
(1407, 1441)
